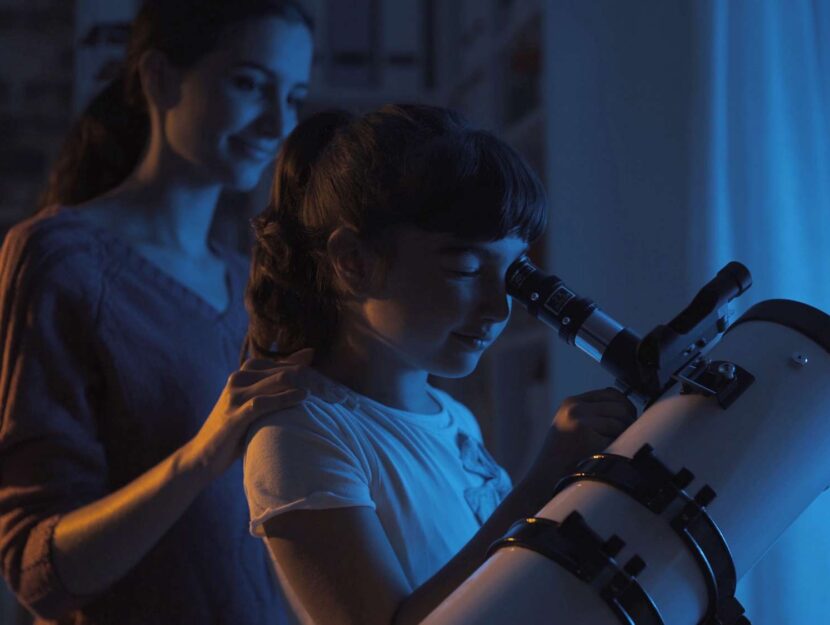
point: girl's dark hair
(106, 142)
(403, 164)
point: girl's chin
(456, 367)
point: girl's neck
(373, 370)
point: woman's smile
(252, 150)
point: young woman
(120, 490)
(385, 248)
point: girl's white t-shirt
(428, 477)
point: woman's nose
(272, 121)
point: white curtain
(763, 168)
(683, 135)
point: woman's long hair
(106, 142)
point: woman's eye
(296, 102)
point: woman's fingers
(262, 405)
(301, 357)
(284, 374)
(260, 364)
(272, 384)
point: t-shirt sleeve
(301, 459)
(51, 461)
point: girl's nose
(496, 303)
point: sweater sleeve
(51, 461)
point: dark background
(672, 136)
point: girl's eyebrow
(473, 249)
(463, 249)
(256, 66)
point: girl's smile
(443, 301)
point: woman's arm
(97, 544)
(344, 570)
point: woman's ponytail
(102, 148)
(105, 144)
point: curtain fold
(762, 172)
(684, 135)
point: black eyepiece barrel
(546, 297)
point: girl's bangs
(479, 188)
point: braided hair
(415, 165)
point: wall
(36, 77)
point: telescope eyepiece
(547, 298)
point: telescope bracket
(647, 480)
(721, 379)
(582, 552)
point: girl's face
(237, 103)
(443, 300)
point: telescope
(727, 453)
(644, 368)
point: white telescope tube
(767, 457)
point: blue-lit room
(462, 312)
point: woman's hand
(584, 425)
(258, 388)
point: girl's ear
(355, 264)
(160, 79)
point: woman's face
(443, 300)
(237, 103)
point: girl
(120, 323)
(385, 248)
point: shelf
(524, 12)
(527, 130)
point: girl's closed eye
(466, 265)
(466, 273)
(461, 263)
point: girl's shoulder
(324, 408)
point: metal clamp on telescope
(725, 381)
(650, 482)
(576, 547)
(646, 367)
